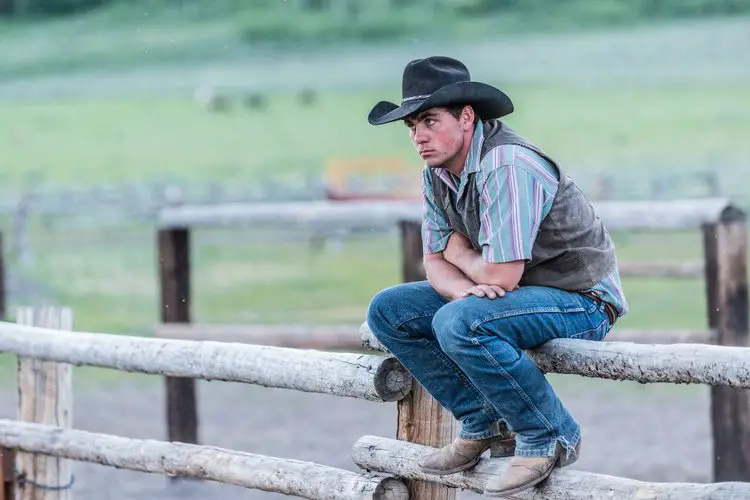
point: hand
(457, 244)
(490, 291)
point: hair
(455, 110)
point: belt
(609, 309)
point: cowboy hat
(441, 81)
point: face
(438, 136)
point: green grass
(617, 129)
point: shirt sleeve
(435, 228)
(512, 204)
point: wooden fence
(420, 419)
(43, 430)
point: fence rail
(370, 377)
(291, 477)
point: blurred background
(113, 109)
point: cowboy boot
(526, 472)
(463, 454)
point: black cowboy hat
(441, 81)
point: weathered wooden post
(7, 457)
(44, 397)
(421, 419)
(725, 247)
(174, 275)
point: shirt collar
(472, 159)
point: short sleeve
(435, 227)
(512, 205)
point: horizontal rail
(370, 377)
(400, 458)
(677, 214)
(681, 363)
(656, 269)
(291, 335)
(290, 477)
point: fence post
(725, 247)
(7, 457)
(421, 419)
(174, 275)
(44, 397)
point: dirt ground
(648, 432)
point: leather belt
(609, 309)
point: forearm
(445, 278)
(475, 268)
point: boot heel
(504, 448)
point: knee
(452, 325)
(383, 311)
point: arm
(444, 277)
(512, 204)
(459, 252)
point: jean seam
(411, 317)
(520, 312)
(590, 330)
(513, 382)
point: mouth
(425, 153)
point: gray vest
(572, 250)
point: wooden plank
(683, 363)
(401, 458)
(174, 279)
(290, 477)
(617, 215)
(665, 269)
(292, 335)
(7, 473)
(364, 376)
(725, 249)
(421, 419)
(44, 397)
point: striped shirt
(517, 187)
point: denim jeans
(469, 355)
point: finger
(476, 291)
(487, 291)
(500, 291)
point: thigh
(407, 305)
(531, 315)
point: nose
(420, 134)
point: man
(514, 256)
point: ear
(467, 118)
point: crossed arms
(459, 270)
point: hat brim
(488, 102)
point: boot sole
(503, 451)
(559, 463)
(518, 489)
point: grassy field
(616, 129)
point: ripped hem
(569, 448)
(494, 429)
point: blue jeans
(469, 355)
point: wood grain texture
(725, 250)
(173, 247)
(45, 396)
(400, 458)
(291, 477)
(292, 335)
(364, 376)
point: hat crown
(422, 77)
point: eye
(430, 122)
